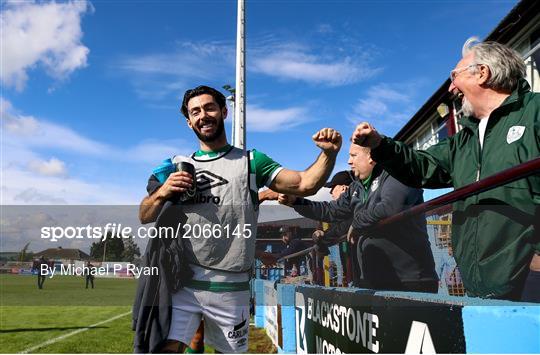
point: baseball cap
(341, 178)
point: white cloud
(22, 126)
(41, 34)
(270, 120)
(34, 197)
(194, 60)
(5, 106)
(24, 187)
(330, 63)
(156, 76)
(52, 167)
(325, 28)
(30, 132)
(177, 64)
(387, 106)
(30, 178)
(295, 64)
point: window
(432, 134)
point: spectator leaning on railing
(292, 244)
(395, 257)
(338, 185)
(495, 244)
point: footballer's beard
(212, 136)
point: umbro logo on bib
(514, 133)
(206, 180)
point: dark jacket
(394, 255)
(152, 306)
(294, 246)
(492, 232)
(332, 236)
(335, 231)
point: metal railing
(502, 178)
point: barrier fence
(336, 267)
(315, 319)
(310, 317)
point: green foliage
(113, 246)
(24, 255)
(131, 250)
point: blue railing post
(259, 303)
(286, 295)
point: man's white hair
(505, 65)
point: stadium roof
(61, 253)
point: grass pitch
(30, 317)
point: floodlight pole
(239, 122)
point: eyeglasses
(454, 73)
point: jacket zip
(478, 170)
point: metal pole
(230, 100)
(239, 133)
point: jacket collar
(377, 171)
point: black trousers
(527, 289)
(40, 280)
(531, 289)
(90, 279)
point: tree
(24, 255)
(96, 250)
(113, 247)
(131, 250)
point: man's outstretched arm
(332, 211)
(309, 181)
(416, 168)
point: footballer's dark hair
(201, 90)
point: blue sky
(91, 90)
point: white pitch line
(54, 340)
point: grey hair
(505, 65)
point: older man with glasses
(495, 242)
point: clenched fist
(366, 136)
(317, 235)
(328, 139)
(287, 200)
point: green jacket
(492, 233)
